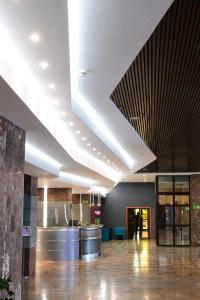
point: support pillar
(195, 208)
(12, 148)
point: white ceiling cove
(69, 118)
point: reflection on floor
(130, 269)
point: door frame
(150, 217)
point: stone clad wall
(12, 148)
(195, 208)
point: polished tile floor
(137, 270)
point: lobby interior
(99, 149)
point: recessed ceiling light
(71, 124)
(88, 144)
(108, 160)
(83, 138)
(82, 72)
(135, 118)
(112, 163)
(56, 101)
(99, 153)
(104, 157)
(44, 65)
(94, 149)
(52, 86)
(63, 113)
(78, 131)
(34, 37)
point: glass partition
(173, 211)
(165, 200)
(181, 184)
(165, 184)
(61, 213)
(182, 200)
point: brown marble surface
(56, 194)
(135, 270)
(12, 146)
(195, 212)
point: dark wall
(128, 194)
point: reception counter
(69, 243)
(90, 241)
(58, 243)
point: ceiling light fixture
(104, 157)
(56, 102)
(94, 149)
(135, 118)
(63, 113)
(99, 153)
(88, 144)
(83, 138)
(71, 124)
(44, 65)
(83, 72)
(78, 131)
(34, 37)
(52, 86)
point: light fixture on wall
(99, 200)
(92, 199)
(45, 207)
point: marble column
(12, 148)
(30, 219)
(195, 208)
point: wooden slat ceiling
(162, 89)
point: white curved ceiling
(105, 50)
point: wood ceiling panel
(162, 89)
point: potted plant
(5, 292)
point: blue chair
(106, 234)
(120, 232)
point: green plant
(5, 289)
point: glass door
(138, 223)
(173, 211)
(144, 223)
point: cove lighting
(82, 104)
(101, 126)
(16, 71)
(77, 178)
(41, 155)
